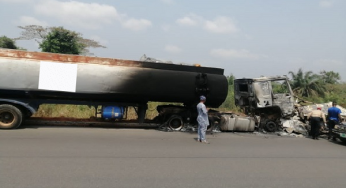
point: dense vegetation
(6, 42)
(229, 104)
(62, 41)
(9, 43)
(319, 88)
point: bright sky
(248, 38)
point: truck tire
(10, 117)
(175, 122)
(270, 126)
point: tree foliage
(279, 87)
(41, 34)
(6, 42)
(307, 84)
(229, 103)
(60, 40)
(330, 77)
(230, 80)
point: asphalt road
(56, 157)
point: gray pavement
(57, 157)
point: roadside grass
(67, 111)
(85, 112)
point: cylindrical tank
(237, 123)
(112, 112)
(71, 77)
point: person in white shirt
(202, 120)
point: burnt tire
(270, 126)
(10, 117)
(175, 122)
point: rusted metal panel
(65, 58)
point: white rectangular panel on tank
(58, 76)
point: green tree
(60, 40)
(279, 87)
(229, 103)
(6, 42)
(231, 79)
(307, 84)
(41, 34)
(330, 77)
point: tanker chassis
(29, 79)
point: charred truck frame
(29, 79)
(267, 99)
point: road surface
(73, 157)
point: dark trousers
(331, 126)
(315, 126)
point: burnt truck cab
(268, 99)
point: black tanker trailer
(29, 79)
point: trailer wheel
(175, 122)
(10, 117)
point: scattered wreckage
(304, 110)
(270, 101)
(338, 132)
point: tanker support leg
(142, 109)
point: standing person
(334, 118)
(315, 121)
(202, 120)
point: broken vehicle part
(304, 110)
(237, 123)
(294, 126)
(153, 60)
(269, 98)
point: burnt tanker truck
(29, 79)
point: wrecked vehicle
(268, 99)
(112, 86)
(340, 132)
(29, 79)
